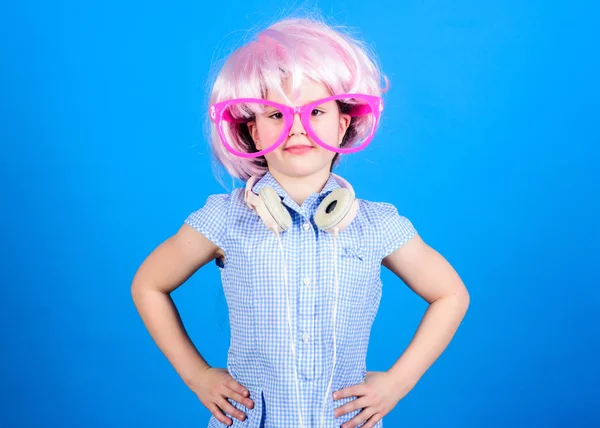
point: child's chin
(305, 168)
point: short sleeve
(396, 230)
(210, 220)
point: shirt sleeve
(210, 220)
(396, 229)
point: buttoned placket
(306, 293)
(304, 287)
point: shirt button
(306, 226)
(306, 337)
(307, 280)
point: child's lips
(298, 150)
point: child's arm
(165, 269)
(429, 275)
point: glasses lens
(250, 126)
(330, 118)
(362, 121)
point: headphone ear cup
(334, 209)
(275, 208)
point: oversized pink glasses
(365, 111)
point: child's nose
(297, 126)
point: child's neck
(300, 188)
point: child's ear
(344, 124)
(253, 133)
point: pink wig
(299, 49)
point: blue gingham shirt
(259, 356)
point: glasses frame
(218, 114)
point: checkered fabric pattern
(260, 356)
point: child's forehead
(298, 93)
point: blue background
(489, 145)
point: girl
(299, 254)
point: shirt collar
(269, 180)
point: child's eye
(276, 115)
(317, 112)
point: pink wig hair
(297, 48)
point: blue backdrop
(489, 146)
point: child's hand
(213, 386)
(377, 396)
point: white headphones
(333, 214)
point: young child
(299, 253)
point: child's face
(298, 155)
